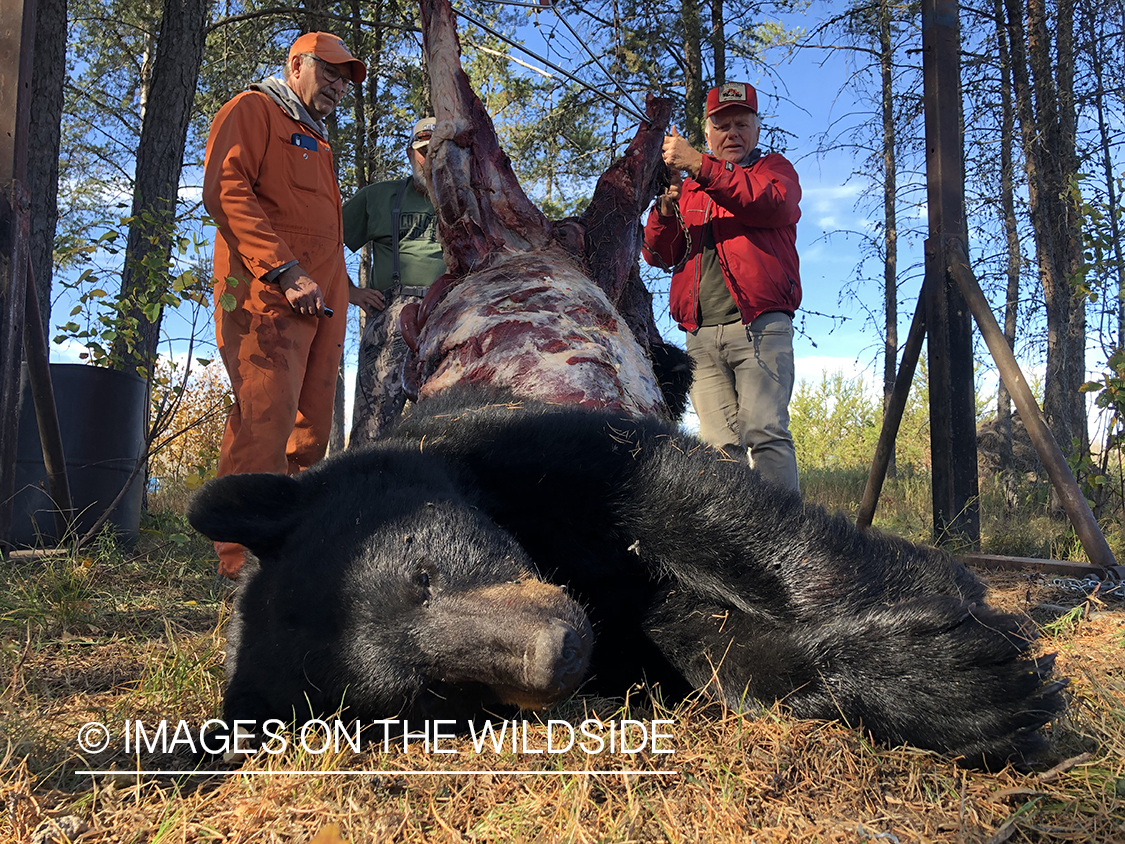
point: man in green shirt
(403, 266)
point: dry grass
(107, 638)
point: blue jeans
(743, 382)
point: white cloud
(66, 352)
(823, 197)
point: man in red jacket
(728, 234)
(269, 184)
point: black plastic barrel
(102, 419)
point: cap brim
(724, 106)
(358, 68)
(359, 71)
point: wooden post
(1085, 525)
(948, 322)
(17, 37)
(892, 417)
(46, 413)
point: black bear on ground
(496, 550)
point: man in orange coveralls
(279, 268)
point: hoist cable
(627, 108)
(597, 61)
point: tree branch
(282, 11)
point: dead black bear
(421, 578)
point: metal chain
(613, 136)
(616, 58)
(687, 239)
(687, 245)
(1089, 585)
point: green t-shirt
(716, 305)
(367, 217)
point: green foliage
(1101, 267)
(1101, 276)
(109, 324)
(1105, 477)
(1066, 624)
(1102, 271)
(836, 424)
(1111, 388)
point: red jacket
(754, 215)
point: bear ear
(257, 510)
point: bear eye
(424, 579)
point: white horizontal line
(237, 773)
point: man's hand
(367, 298)
(666, 203)
(680, 155)
(302, 293)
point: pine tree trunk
(1046, 130)
(1063, 404)
(359, 110)
(43, 137)
(890, 232)
(719, 41)
(1011, 231)
(693, 75)
(160, 153)
(367, 102)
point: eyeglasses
(331, 75)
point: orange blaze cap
(330, 48)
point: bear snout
(528, 641)
(556, 659)
(553, 665)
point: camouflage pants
(379, 396)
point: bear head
(381, 587)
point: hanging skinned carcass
(549, 310)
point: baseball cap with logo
(329, 48)
(423, 131)
(732, 94)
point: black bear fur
(693, 572)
